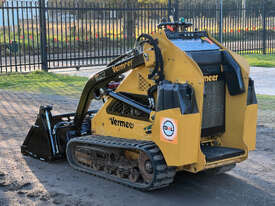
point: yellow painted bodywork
(185, 153)
(250, 126)
(186, 150)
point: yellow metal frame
(184, 152)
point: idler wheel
(145, 167)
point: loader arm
(102, 78)
(47, 138)
(52, 132)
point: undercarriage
(138, 164)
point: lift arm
(100, 80)
(47, 139)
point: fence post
(221, 21)
(169, 8)
(43, 35)
(264, 27)
(176, 10)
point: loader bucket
(37, 144)
(40, 142)
(47, 138)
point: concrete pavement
(264, 79)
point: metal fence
(59, 34)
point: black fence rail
(19, 36)
(60, 34)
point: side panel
(235, 114)
(236, 109)
(180, 145)
(234, 121)
(180, 68)
(250, 126)
(111, 125)
(137, 82)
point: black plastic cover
(213, 153)
(176, 96)
(233, 75)
(251, 95)
(209, 70)
(206, 57)
(185, 35)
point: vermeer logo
(122, 66)
(121, 123)
(212, 78)
(168, 130)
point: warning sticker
(168, 130)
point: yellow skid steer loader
(186, 103)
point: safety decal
(168, 130)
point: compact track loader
(187, 103)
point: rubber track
(163, 175)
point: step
(219, 153)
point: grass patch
(266, 113)
(42, 82)
(260, 60)
(266, 102)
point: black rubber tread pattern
(163, 175)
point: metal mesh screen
(214, 106)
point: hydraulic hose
(158, 57)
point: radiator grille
(119, 108)
(213, 117)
